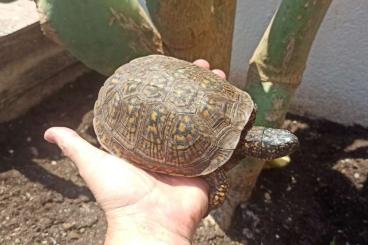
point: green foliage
(102, 34)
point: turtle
(169, 116)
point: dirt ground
(321, 198)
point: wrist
(142, 231)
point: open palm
(123, 190)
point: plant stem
(275, 72)
(278, 63)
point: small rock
(293, 180)
(356, 176)
(28, 195)
(53, 162)
(267, 197)
(68, 226)
(53, 240)
(247, 233)
(84, 198)
(34, 151)
(209, 221)
(58, 198)
(73, 235)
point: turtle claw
(218, 187)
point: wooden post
(196, 29)
(31, 68)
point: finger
(72, 145)
(220, 73)
(85, 156)
(202, 63)
(102, 172)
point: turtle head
(269, 143)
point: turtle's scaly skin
(268, 143)
(170, 116)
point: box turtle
(170, 116)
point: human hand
(140, 206)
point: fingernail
(49, 136)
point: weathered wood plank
(31, 68)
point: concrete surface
(15, 15)
(335, 83)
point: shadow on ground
(23, 147)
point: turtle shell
(169, 116)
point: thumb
(85, 156)
(103, 173)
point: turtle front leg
(218, 187)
